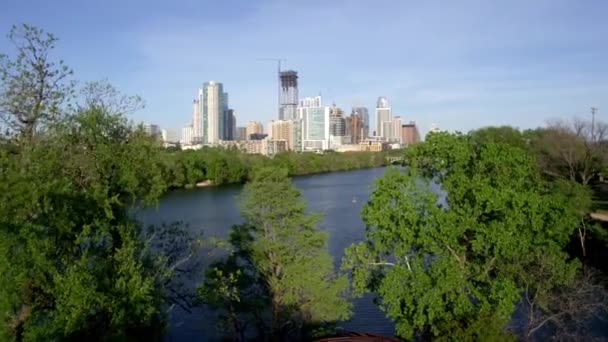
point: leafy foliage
(223, 166)
(280, 258)
(33, 87)
(74, 263)
(454, 268)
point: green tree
(74, 264)
(33, 87)
(281, 247)
(452, 265)
(502, 134)
(572, 150)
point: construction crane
(278, 60)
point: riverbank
(214, 166)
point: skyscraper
(383, 119)
(288, 95)
(230, 125)
(396, 130)
(197, 119)
(233, 126)
(214, 110)
(226, 123)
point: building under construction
(288, 95)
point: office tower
(364, 115)
(187, 135)
(229, 126)
(314, 124)
(253, 127)
(288, 95)
(383, 118)
(226, 126)
(315, 128)
(233, 126)
(410, 134)
(241, 133)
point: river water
(337, 196)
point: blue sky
(458, 64)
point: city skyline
(461, 66)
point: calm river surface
(214, 211)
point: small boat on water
(354, 199)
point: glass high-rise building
(315, 128)
(212, 119)
(383, 119)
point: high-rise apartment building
(197, 118)
(396, 130)
(288, 95)
(410, 134)
(213, 109)
(384, 126)
(253, 127)
(282, 130)
(211, 119)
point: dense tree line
(509, 232)
(221, 166)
